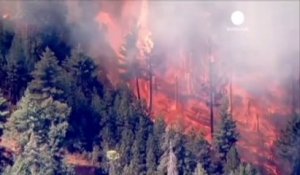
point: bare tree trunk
(150, 85)
(299, 86)
(176, 92)
(293, 97)
(257, 123)
(211, 105)
(230, 95)
(137, 88)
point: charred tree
(137, 87)
(293, 97)
(211, 94)
(230, 95)
(150, 85)
(176, 92)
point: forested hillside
(57, 101)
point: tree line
(56, 99)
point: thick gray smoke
(261, 52)
(265, 45)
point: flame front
(181, 90)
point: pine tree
(151, 159)
(39, 126)
(168, 162)
(47, 77)
(288, 144)
(46, 119)
(18, 72)
(164, 158)
(38, 159)
(139, 146)
(244, 169)
(159, 133)
(4, 159)
(172, 163)
(199, 170)
(84, 70)
(127, 138)
(200, 150)
(232, 160)
(3, 112)
(184, 156)
(86, 103)
(227, 135)
(6, 38)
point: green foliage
(3, 112)
(47, 77)
(232, 160)
(226, 136)
(288, 144)
(18, 72)
(38, 159)
(5, 160)
(6, 38)
(200, 150)
(45, 119)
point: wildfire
(181, 94)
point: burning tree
(132, 64)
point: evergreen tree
(18, 72)
(199, 170)
(139, 146)
(38, 159)
(288, 144)
(126, 143)
(6, 38)
(46, 120)
(200, 151)
(159, 133)
(245, 169)
(3, 112)
(151, 159)
(185, 158)
(4, 159)
(86, 103)
(168, 162)
(47, 77)
(164, 158)
(84, 70)
(227, 136)
(172, 163)
(232, 160)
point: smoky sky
(268, 49)
(267, 43)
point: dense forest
(55, 100)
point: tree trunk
(211, 99)
(137, 88)
(150, 86)
(176, 92)
(293, 97)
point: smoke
(268, 48)
(262, 54)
